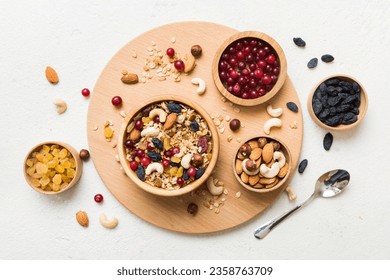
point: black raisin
(333, 101)
(328, 140)
(356, 87)
(332, 82)
(140, 173)
(349, 100)
(324, 114)
(349, 118)
(312, 63)
(185, 175)
(355, 110)
(174, 107)
(292, 106)
(343, 108)
(176, 164)
(299, 42)
(154, 156)
(194, 126)
(157, 143)
(334, 121)
(317, 107)
(323, 88)
(302, 166)
(192, 208)
(200, 172)
(327, 58)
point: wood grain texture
(170, 212)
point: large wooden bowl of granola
(169, 146)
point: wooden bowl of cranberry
(338, 102)
(169, 146)
(249, 68)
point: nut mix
(260, 163)
(168, 145)
(52, 168)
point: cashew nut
(160, 113)
(277, 112)
(150, 131)
(61, 106)
(201, 85)
(213, 189)
(279, 156)
(269, 172)
(274, 122)
(155, 166)
(250, 173)
(290, 193)
(186, 160)
(108, 223)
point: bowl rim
(363, 104)
(74, 153)
(281, 78)
(278, 185)
(159, 191)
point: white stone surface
(79, 38)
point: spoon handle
(263, 230)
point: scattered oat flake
(216, 211)
(223, 99)
(124, 72)
(223, 199)
(236, 109)
(239, 139)
(114, 145)
(227, 118)
(95, 128)
(294, 125)
(117, 157)
(122, 113)
(229, 138)
(221, 117)
(225, 191)
(173, 40)
(238, 194)
(222, 130)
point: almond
(238, 166)
(244, 178)
(256, 154)
(170, 121)
(82, 218)
(272, 184)
(253, 144)
(267, 181)
(51, 75)
(258, 186)
(283, 171)
(268, 152)
(253, 180)
(189, 63)
(135, 134)
(129, 78)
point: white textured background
(79, 37)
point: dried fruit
(157, 143)
(292, 106)
(98, 198)
(328, 140)
(192, 208)
(179, 65)
(84, 154)
(327, 58)
(312, 63)
(116, 101)
(82, 218)
(129, 78)
(194, 126)
(174, 107)
(85, 92)
(199, 172)
(51, 75)
(302, 166)
(299, 42)
(140, 173)
(196, 51)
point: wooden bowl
(283, 148)
(158, 190)
(280, 57)
(78, 168)
(362, 108)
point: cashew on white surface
(213, 189)
(274, 112)
(150, 131)
(290, 193)
(61, 106)
(269, 172)
(154, 166)
(112, 223)
(280, 158)
(186, 161)
(201, 85)
(274, 122)
(160, 113)
(250, 173)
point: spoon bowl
(328, 185)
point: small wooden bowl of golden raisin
(52, 167)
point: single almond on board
(82, 218)
(51, 75)
(130, 78)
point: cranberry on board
(170, 52)
(116, 101)
(179, 65)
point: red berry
(145, 161)
(175, 150)
(233, 74)
(98, 198)
(139, 153)
(191, 172)
(180, 181)
(85, 92)
(129, 144)
(168, 153)
(138, 124)
(170, 52)
(116, 101)
(165, 162)
(149, 146)
(258, 73)
(270, 59)
(266, 80)
(236, 88)
(133, 165)
(156, 119)
(179, 65)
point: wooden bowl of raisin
(338, 103)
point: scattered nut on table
(108, 223)
(61, 106)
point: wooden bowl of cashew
(262, 164)
(169, 146)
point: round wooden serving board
(171, 212)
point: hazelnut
(245, 150)
(276, 145)
(192, 208)
(197, 160)
(262, 141)
(234, 124)
(84, 154)
(250, 165)
(196, 51)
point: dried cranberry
(98, 198)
